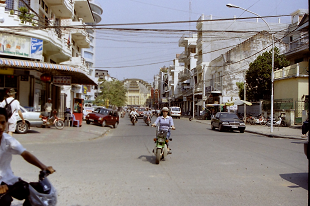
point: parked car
(32, 120)
(141, 111)
(103, 117)
(175, 112)
(227, 121)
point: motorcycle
(147, 120)
(133, 119)
(161, 149)
(41, 192)
(122, 114)
(54, 120)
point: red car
(103, 117)
(141, 111)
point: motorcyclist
(8, 147)
(146, 113)
(132, 113)
(165, 123)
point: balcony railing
(299, 69)
(300, 42)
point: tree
(258, 76)
(112, 92)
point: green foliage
(258, 76)
(112, 92)
(24, 16)
(241, 89)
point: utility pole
(244, 98)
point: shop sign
(14, 45)
(9, 71)
(85, 89)
(62, 80)
(164, 99)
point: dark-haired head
(3, 112)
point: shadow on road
(298, 179)
(150, 159)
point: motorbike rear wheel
(59, 124)
(158, 151)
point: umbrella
(238, 102)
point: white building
(38, 59)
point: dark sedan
(103, 117)
(227, 121)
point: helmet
(165, 109)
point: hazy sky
(140, 54)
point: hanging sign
(62, 80)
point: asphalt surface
(104, 166)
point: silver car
(32, 120)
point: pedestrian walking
(15, 107)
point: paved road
(206, 168)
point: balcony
(83, 10)
(184, 75)
(97, 10)
(79, 36)
(297, 70)
(298, 45)
(61, 8)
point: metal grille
(9, 5)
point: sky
(140, 54)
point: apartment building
(39, 61)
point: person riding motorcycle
(165, 123)
(146, 113)
(132, 113)
(11, 185)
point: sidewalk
(278, 132)
(67, 134)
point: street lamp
(272, 66)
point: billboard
(22, 46)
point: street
(206, 168)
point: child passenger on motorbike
(8, 147)
(165, 123)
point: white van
(175, 112)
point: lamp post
(272, 66)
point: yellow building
(138, 92)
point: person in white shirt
(146, 113)
(10, 146)
(48, 107)
(132, 113)
(15, 106)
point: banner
(36, 48)
(22, 46)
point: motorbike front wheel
(158, 151)
(59, 124)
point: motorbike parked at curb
(161, 149)
(54, 120)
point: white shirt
(15, 106)
(8, 147)
(48, 107)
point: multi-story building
(138, 92)
(83, 52)
(294, 78)
(215, 48)
(32, 54)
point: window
(21, 4)
(10, 81)
(9, 5)
(88, 55)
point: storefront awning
(77, 75)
